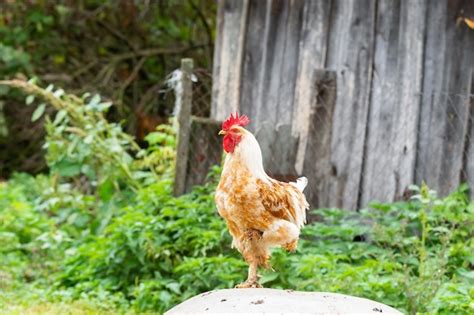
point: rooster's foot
(249, 284)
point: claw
(249, 284)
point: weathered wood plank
(271, 49)
(227, 90)
(264, 44)
(184, 121)
(273, 42)
(216, 66)
(253, 60)
(468, 169)
(312, 56)
(289, 63)
(204, 150)
(284, 144)
(445, 103)
(390, 150)
(401, 110)
(280, 153)
(271, 57)
(350, 53)
(317, 162)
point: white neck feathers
(249, 152)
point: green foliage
(20, 226)
(160, 155)
(97, 45)
(119, 49)
(403, 254)
(155, 240)
(103, 227)
(11, 59)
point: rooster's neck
(249, 155)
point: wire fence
(355, 154)
(198, 146)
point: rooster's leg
(252, 280)
(255, 255)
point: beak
(222, 133)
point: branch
(35, 90)
(203, 20)
(134, 73)
(117, 34)
(155, 51)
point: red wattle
(230, 141)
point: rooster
(260, 211)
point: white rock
(279, 301)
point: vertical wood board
(317, 164)
(445, 97)
(468, 169)
(312, 56)
(253, 60)
(402, 103)
(350, 54)
(216, 65)
(271, 57)
(390, 148)
(232, 36)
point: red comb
(231, 121)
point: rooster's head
(233, 131)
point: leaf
(441, 229)
(89, 139)
(67, 168)
(49, 88)
(33, 80)
(467, 274)
(174, 286)
(59, 116)
(268, 277)
(58, 93)
(106, 190)
(29, 99)
(95, 100)
(165, 297)
(104, 106)
(155, 137)
(38, 112)
(414, 188)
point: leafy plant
(160, 154)
(80, 137)
(168, 249)
(12, 59)
(103, 227)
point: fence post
(184, 126)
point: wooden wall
(402, 109)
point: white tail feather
(301, 183)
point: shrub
(103, 226)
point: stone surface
(279, 301)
